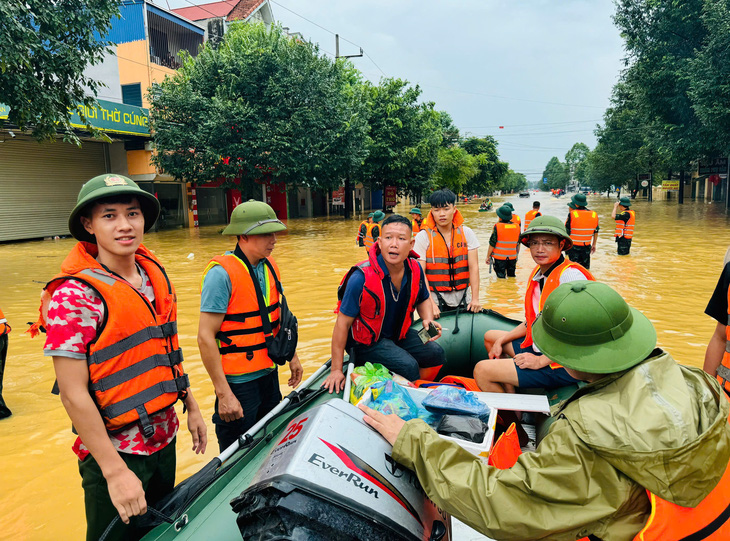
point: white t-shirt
(452, 298)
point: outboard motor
(330, 476)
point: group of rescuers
(643, 446)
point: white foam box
(480, 450)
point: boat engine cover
(330, 476)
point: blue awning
(175, 19)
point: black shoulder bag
(283, 346)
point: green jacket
(659, 426)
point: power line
(506, 125)
(515, 99)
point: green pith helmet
(510, 205)
(253, 218)
(371, 215)
(378, 215)
(415, 210)
(624, 202)
(547, 225)
(504, 212)
(588, 326)
(105, 186)
(578, 200)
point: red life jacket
(551, 282)
(135, 363)
(626, 229)
(369, 322)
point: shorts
(544, 378)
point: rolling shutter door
(39, 184)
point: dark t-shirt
(623, 216)
(395, 311)
(717, 307)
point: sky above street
(542, 69)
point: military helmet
(510, 205)
(378, 215)
(625, 202)
(415, 210)
(587, 326)
(578, 200)
(253, 218)
(547, 225)
(504, 212)
(109, 185)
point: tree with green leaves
(513, 182)
(556, 174)
(45, 47)
(404, 138)
(455, 168)
(260, 106)
(491, 169)
(576, 160)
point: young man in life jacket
(376, 301)
(111, 323)
(416, 219)
(363, 229)
(449, 253)
(525, 366)
(625, 219)
(231, 335)
(532, 214)
(4, 331)
(582, 226)
(641, 452)
(504, 246)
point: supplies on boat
(453, 400)
(463, 427)
(364, 377)
(390, 397)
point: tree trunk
(680, 196)
(348, 197)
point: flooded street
(675, 260)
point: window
(132, 94)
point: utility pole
(348, 183)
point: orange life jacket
(359, 238)
(506, 450)
(723, 371)
(369, 321)
(516, 220)
(4, 325)
(583, 224)
(508, 235)
(447, 267)
(241, 339)
(135, 363)
(626, 229)
(551, 282)
(709, 521)
(369, 237)
(531, 215)
(416, 226)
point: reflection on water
(675, 260)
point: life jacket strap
(241, 317)
(723, 372)
(242, 349)
(224, 336)
(132, 341)
(137, 369)
(138, 400)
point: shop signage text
(670, 185)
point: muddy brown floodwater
(675, 261)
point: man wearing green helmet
(362, 230)
(111, 323)
(231, 332)
(640, 452)
(525, 366)
(625, 219)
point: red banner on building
(391, 196)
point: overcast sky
(543, 69)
